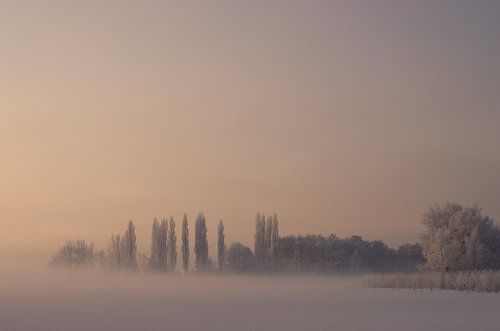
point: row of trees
(121, 253)
(271, 254)
(456, 238)
(331, 254)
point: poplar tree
(129, 247)
(269, 225)
(185, 244)
(153, 260)
(273, 250)
(260, 241)
(201, 243)
(162, 245)
(157, 261)
(172, 246)
(221, 247)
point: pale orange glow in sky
(345, 117)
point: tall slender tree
(269, 226)
(201, 243)
(172, 246)
(221, 247)
(273, 249)
(157, 261)
(185, 244)
(153, 260)
(162, 243)
(260, 241)
(129, 248)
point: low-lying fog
(58, 301)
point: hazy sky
(344, 117)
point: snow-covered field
(56, 302)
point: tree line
(455, 238)
(122, 255)
(271, 253)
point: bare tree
(101, 260)
(115, 249)
(74, 254)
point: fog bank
(59, 301)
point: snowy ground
(56, 302)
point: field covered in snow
(155, 302)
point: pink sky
(346, 117)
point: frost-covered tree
(185, 244)
(201, 243)
(459, 238)
(74, 254)
(115, 252)
(221, 247)
(129, 248)
(172, 246)
(260, 241)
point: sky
(345, 117)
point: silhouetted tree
(267, 237)
(411, 256)
(185, 244)
(260, 241)
(172, 246)
(240, 259)
(158, 259)
(74, 254)
(162, 243)
(129, 248)
(221, 247)
(319, 254)
(273, 242)
(201, 243)
(114, 254)
(154, 258)
(101, 260)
